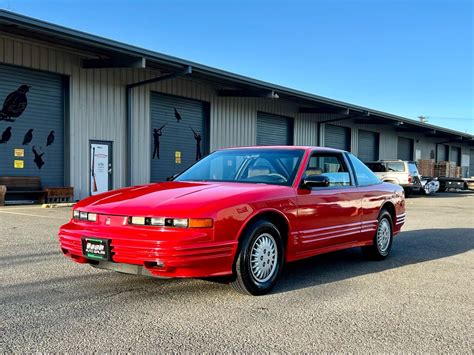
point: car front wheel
(382, 243)
(259, 260)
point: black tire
(245, 280)
(376, 251)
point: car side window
(396, 167)
(364, 175)
(331, 166)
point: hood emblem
(107, 221)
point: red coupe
(242, 213)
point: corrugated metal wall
(97, 112)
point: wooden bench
(59, 194)
(21, 186)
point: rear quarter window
(395, 167)
(364, 175)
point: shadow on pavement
(409, 247)
(448, 194)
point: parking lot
(419, 299)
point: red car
(242, 213)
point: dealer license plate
(95, 248)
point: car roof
(287, 147)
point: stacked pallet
(442, 169)
(457, 172)
(426, 167)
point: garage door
(337, 137)
(471, 163)
(405, 148)
(368, 145)
(179, 134)
(32, 125)
(456, 155)
(442, 152)
(274, 129)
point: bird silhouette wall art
(50, 139)
(6, 135)
(157, 133)
(177, 115)
(28, 137)
(14, 104)
(38, 158)
(198, 139)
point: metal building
(88, 112)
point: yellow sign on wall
(177, 157)
(19, 153)
(18, 164)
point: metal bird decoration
(177, 115)
(38, 158)
(6, 135)
(28, 137)
(50, 139)
(14, 104)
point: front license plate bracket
(96, 248)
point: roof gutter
(129, 89)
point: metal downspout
(128, 93)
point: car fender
(260, 212)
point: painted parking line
(31, 215)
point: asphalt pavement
(420, 299)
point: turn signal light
(200, 223)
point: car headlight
(84, 216)
(171, 222)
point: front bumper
(159, 252)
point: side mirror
(316, 181)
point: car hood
(175, 199)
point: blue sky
(405, 57)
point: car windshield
(268, 166)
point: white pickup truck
(400, 172)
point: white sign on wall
(99, 173)
(417, 154)
(465, 160)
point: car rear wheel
(259, 260)
(382, 243)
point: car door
(328, 216)
(372, 194)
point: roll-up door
(337, 137)
(471, 163)
(405, 148)
(32, 125)
(442, 152)
(179, 134)
(456, 155)
(368, 145)
(274, 129)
